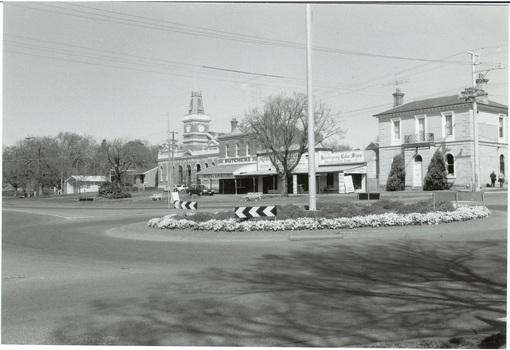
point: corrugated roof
(432, 103)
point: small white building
(84, 183)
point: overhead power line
(193, 30)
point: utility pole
(471, 95)
(476, 150)
(311, 125)
(170, 177)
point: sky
(127, 69)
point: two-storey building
(419, 128)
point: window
(501, 127)
(447, 124)
(450, 164)
(248, 149)
(226, 151)
(395, 131)
(421, 128)
(502, 164)
(237, 149)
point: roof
(88, 178)
(432, 103)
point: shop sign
(336, 158)
(216, 176)
(349, 186)
(264, 162)
(236, 160)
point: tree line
(41, 164)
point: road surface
(97, 276)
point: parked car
(181, 188)
(178, 188)
(199, 189)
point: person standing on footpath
(501, 179)
(493, 179)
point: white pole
(168, 161)
(311, 124)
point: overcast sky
(115, 69)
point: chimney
(481, 89)
(233, 124)
(398, 98)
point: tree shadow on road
(326, 295)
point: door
(417, 172)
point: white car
(181, 188)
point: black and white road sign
(185, 205)
(255, 212)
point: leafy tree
(397, 177)
(436, 174)
(280, 128)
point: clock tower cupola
(196, 124)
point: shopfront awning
(226, 171)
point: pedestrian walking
(501, 179)
(493, 179)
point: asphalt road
(86, 275)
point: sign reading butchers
(336, 158)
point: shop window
(502, 164)
(450, 164)
(330, 179)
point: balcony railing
(419, 138)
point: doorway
(417, 171)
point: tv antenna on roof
(397, 82)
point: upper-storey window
(396, 132)
(421, 127)
(448, 124)
(226, 150)
(248, 149)
(237, 149)
(501, 126)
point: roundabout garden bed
(343, 215)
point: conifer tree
(436, 174)
(397, 178)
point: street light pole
(311, 126)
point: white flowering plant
(462, 213)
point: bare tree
(281, 130)
(121, 155)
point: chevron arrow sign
(255, 212)
(185, 205)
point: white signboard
(175, 196)
(342, 158)
(349, 186)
